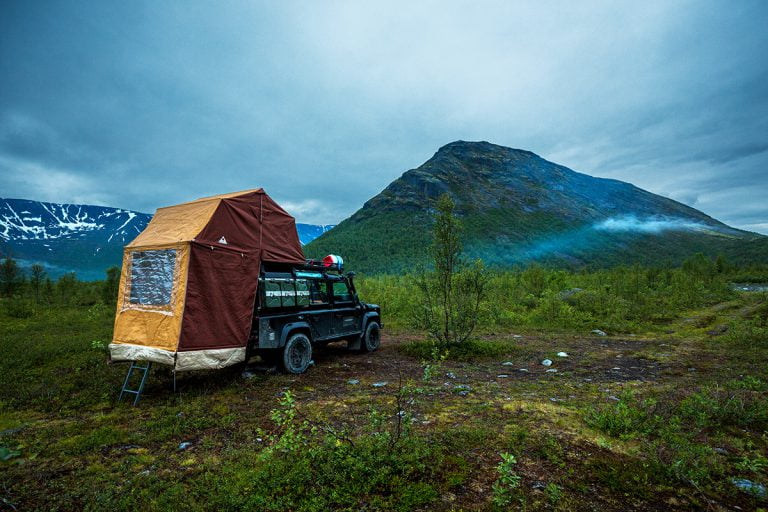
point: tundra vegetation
(667, 411)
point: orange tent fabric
(189, 280)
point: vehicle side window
(285, 293)
(288, 293)
(317, 292)
(272, 294)
(341, 292)
(302, 293)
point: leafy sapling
(507, 483)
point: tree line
(35, 285)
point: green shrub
(505, 488)
(716, 407)
(534, 280)
(683, 458)
(671, 434)
(626, 419)
(752, 464)
(749, 382)
(308, 467)
(554, 493)
(469, 350)
(751, 331)
(19, 308)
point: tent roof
(182, 222)
(218, 197)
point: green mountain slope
(518, 207)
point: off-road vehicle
(299, 308)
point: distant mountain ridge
(308, 232)
(85, 239)
(518, 207)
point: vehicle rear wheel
(297, 353)
(371, 338)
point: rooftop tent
(189, 280)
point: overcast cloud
(145, 104)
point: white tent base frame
(212, 359)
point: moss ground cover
(663, 413)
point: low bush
(309, 467)
(627, 419)
(674, 435)
(717, 407)
(466, 351)
(19, 308)
(752, 330)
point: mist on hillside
(588, 239)
(633, 224)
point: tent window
(152, 277)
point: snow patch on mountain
(308, 232)
(82, 238)
(22, 219)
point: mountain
(81, 238)
(85, 239)
(308, 232)
(517, 207)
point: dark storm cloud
(142, 104)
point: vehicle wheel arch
(370, 317)
(356, 343)
(294, 328)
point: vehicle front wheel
(371, 338)
(297, 354)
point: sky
(145, 104)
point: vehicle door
(346, 319)
(319, 313)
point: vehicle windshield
(341, 292)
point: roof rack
(330, 262)
(318, 266)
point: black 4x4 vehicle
(298, 308)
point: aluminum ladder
(126, 389)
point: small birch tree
(451, 294)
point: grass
(684, 414)
(470, 350)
